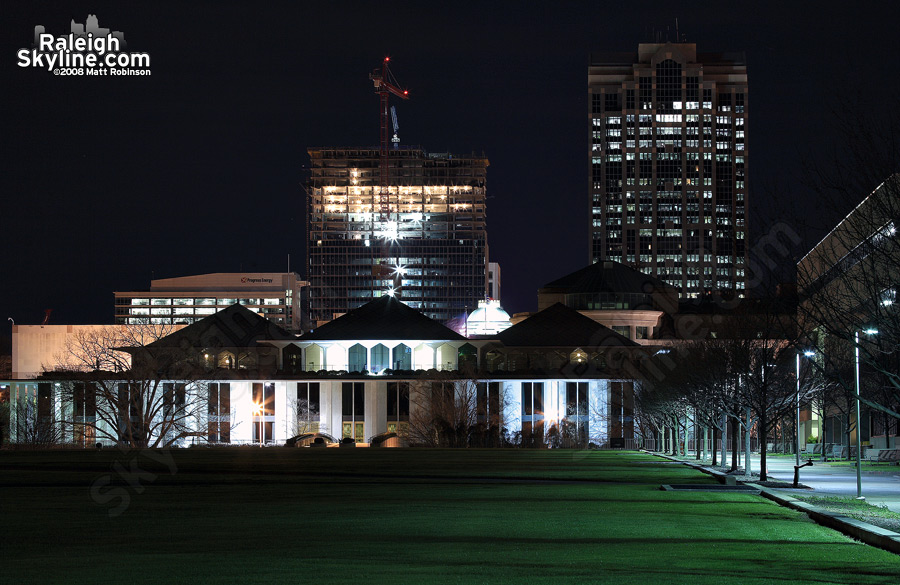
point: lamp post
(258, 410)
(806, 353)
(859, 495)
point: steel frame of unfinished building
(430, 249)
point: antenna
(677, 36)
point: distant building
(668, 173)
(848, 289)
(635, 305)
(556, 379)
(647, 310)
(38, 348)
(184, 300)
(424, 241)
(494, 280)
(488, 319)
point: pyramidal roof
(235, 326)
(608, 276)
(383, 318)
(560, 326)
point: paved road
(880, 487)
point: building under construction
(417, 233)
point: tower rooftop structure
(668, 164)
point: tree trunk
(747, 469)
(696, 438)
(851, 424)
(735, 442)
(713, 447)
(763, 437)
(703, 449)
(723, 435)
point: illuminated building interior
(187, 299)
(424, 242)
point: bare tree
(131, 393)
(304, 417)
(850, 279)
(457, 413)
(34, 423)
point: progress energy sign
(87, 49)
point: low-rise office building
(187, 299)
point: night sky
(108, 182)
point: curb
(862, 531)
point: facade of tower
(425, 242)
(668, 172)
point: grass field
(400, 516)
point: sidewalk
(881, 487)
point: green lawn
(401, 516)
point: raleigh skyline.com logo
(86, 50)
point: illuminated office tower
(668, 172)
(425, 241)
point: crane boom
(395, 138)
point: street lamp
(258, 411)
(859, 495)
(807, 353)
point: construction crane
(385, 85)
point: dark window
(398, 401)
(308, 399)
(358, 361)
(612, 102)
(44, 401)
(173, 399)
(219, 423)
(293, 358)
(353, 408)
(353, 402)
(532, 398)
(527, 405)
(575, 427)
(467, 356)
(668, 85)
(692, 89)
(646, 91)
(85, 399)
(402, 357)
(487, 401)
(267, 428)
(576, 399)
(442, 392)
(380, 358)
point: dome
(488, 319)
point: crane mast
(385, 85)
